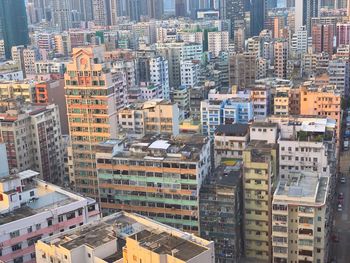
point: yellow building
(127, 238)
(17, 89)
(93, 96)
(259, 176)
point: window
(16, 247)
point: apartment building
(52, 91)
(25, 57)
(125, 237)
(300, 212)
(260, 96)
(242, 69)
(33, 139)
(189, 72)
(149, 91)
(260, 167)
(156, 176)
(159, 74)
(155, 116)
(281, 101)
(281, 54)
(93, 96)
(322, 101)
(181, 96)
(227, 111)
(338, 70)
(32, 209)
(24, 90)
(323, 38)
(263, 131)
(229, 142)
(218, 42)
(175, 53)
(306, 144)
(223, 190)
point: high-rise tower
(304, 11)
(93, 95)
(13, 24)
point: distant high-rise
(84, 7)
(304, 11)
(13, 24)
(180, 8)
(155, 8)
(257, 16)
(271, 3)
(114, 11)
(133, 8)
(99, 12)
(233, 10)
(61, 14)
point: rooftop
(225, 176)
(164, 243)
(232, 129)
(46, 197)
(150, 234)
(305, 187)
(185, 147)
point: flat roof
(46, 198)
(237, 129)
(303, 187)
(150, 234)
(164, 243)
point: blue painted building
(227, 111)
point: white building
(31, 209)
(2, 50)
(339, 70)
(175, 53)
(125, 237)
(217, 42)
(306, 144)
(264, 131)
(150, 91)
(300, 212)
(299, 42)
(159, 74)
(189, 72)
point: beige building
(281, 101)
(281, 50)
(301, 219)
(259, 177)
(229, 142)
(33, 139)
(124, 237)
(153, 116)
(217, 42)
(242, 69)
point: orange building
(325, 101)
(93, 96)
